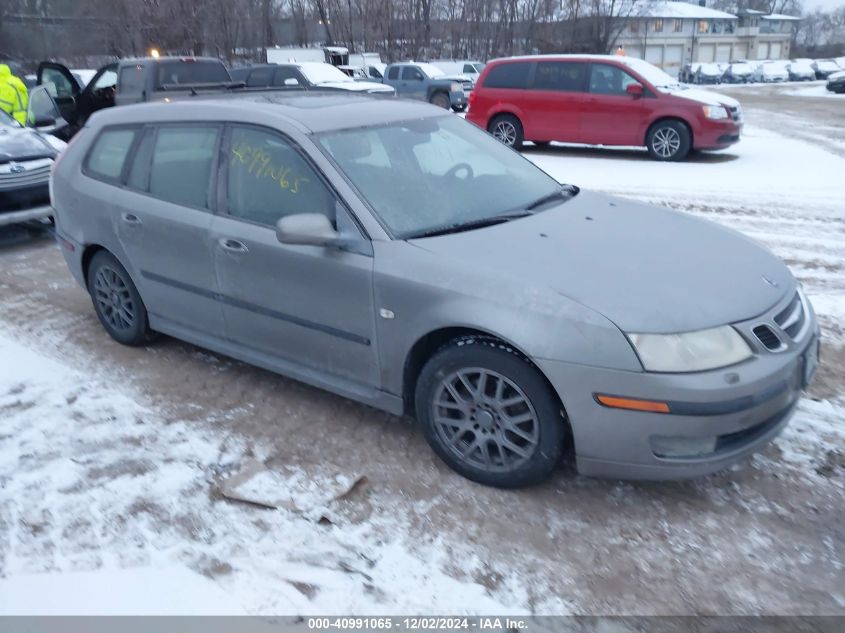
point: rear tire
(116, 301)
(441, 100)
(489, 413)
(668, 140)
(507, 129)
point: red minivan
(600, 100)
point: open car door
(62, 87)
(43, 114)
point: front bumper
(739, 409)
(717, 134)
(25, 215)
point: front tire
(441, 100)
(507, 129)
(459, 108)
(668, 141)
(489, 414)
(116, 301)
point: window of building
(704, 26)
(658, 25)
(634, 26)
(678, 26)
(268, 179)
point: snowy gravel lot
(113, 460)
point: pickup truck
(66, 106)
(416, 80)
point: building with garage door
(670, 34)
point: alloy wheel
(114, 299)
(666, 142)
(505, 131)
(485, 419)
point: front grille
(30, 176)
(767, 337)
(791, 318)
(24, 198)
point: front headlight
(715, 112)
(691, 351)
(456, 86)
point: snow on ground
(784, 192)
(814, 91)
(63, 453)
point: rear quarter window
(108, 154)
(131, 80)
(512, 75)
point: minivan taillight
(472, 96)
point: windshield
(652, 74)
(431, 71)
(319, 73)
(423, 174)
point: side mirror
(313, 229)
(290, 81)
(634, 90)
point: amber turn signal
(633, 404)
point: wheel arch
(671, 117)
(429, 344)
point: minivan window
(260, 77)
(109, 153)
(269, 179)
(182, 161)
(609, 80)
(132, 79)
(560, 76)
(509, 75)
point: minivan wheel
(441, 100)
(668, 140)
(507, 129)
(489, 414)
(116, 300)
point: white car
(801, 70)
(468, 68)
(739, 73)
(825, 67)
(771, 72)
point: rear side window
(260, 77)
(131, 80)
(109, 153)
(560, 76)
(190, 71)
(393, 73)
(139, 172)
(513, 75)
(181, 165)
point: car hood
(357, 86)
(23, 144)
(645, 268)
(705, 97)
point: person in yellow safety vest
(13, 95)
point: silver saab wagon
(399, 256)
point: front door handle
(131, 218)
(233, 246)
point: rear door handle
(131, 218)
(233, 246)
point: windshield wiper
(565, 192)
(458, 227)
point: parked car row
(836, 82)
(759, 71)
